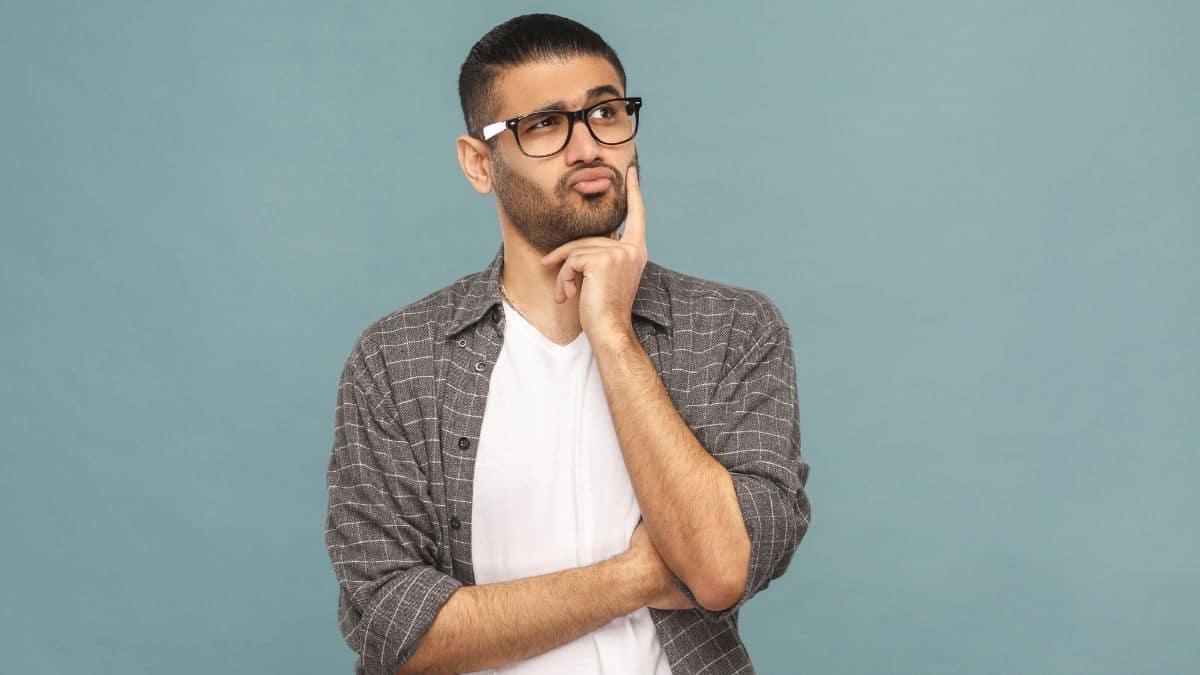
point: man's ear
(474, 156)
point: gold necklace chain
(511, 303)
(514, 305)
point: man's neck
(531, 287)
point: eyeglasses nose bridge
(572, 118)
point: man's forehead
(558, 85)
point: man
(576, 460)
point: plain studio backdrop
(981, 220)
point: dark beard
(549, 221)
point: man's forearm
(489, 625)
(687, 497)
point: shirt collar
(482, 292)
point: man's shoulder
(695, 299)
(421, 315)
(407, 333)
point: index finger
(635, 219)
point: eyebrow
(591, 93)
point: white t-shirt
(551, 492)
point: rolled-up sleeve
(753, 429)
(379, 527)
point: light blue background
(979, 218)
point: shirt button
(454, 522)
(495, 316)
(464, 442)
(462, 343)
(480, 366)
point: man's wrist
(615, 339)
(632, 576)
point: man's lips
(592, 186)
(592, 180)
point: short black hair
(520, 40)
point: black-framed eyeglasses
(546, 132)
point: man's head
(526, 64)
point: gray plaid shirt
(410, 406)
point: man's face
(535, 192)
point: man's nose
(582, 147)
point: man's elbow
(722, 597)
(728, 591)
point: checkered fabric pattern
(407, 419)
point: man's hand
(611, 267)
(665, 594)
